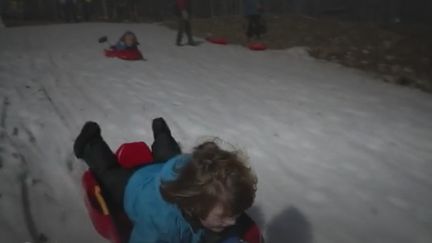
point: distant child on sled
(126, 47)
(179, 198)
(127, 41)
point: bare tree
(1, 13)
(104, 9)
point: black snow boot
(89, 132)
(164, 146)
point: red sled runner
(113, 224)
(217, 40)
(127, 54)
(257, 46)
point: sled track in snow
(25, 200)
(56, 109)
(4, 113)
(31, 226)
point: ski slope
(340, 156)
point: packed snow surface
(340, 156)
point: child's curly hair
(212, 176)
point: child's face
(129, 40)
(217, 220)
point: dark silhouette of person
(87, 9)
(252, 10)
(69, 10)
(183, 11)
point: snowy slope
(340, 157)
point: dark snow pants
(114, 178)
(184, 25)
(254, 26)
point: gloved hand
(184, 14)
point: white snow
(338, 154)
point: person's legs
(66, 12)
(188, 30)
(180, 29)
(91, 147)
(249, 30)
(255, 26)
(164, 146)
(258, 30)
(73, 9)
(86, 11)
(113, 182)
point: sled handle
(101, 200)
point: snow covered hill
(340, 157)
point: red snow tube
(257, 46)
(127, 54)
(217, 40)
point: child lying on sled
(127, 41)
(179, 198)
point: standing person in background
(253, 10)
(87, 7)
(183, 12)
(62, 6)
(69, 10)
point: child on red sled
(190, 198)
(126, 42)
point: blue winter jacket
(155, 220)
(120, 45)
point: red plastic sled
(217, 40)
(257, 46)
(127, 54)
(131, 155)
(112, 223)
(97, 209)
